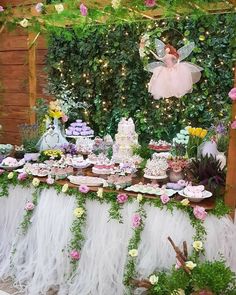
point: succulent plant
(207, 170)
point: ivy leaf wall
(102, 68)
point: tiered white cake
(125, 140)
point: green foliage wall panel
(101, 67)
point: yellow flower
(190, 265)
(193, 132)
(78, 212)
(185, 202)
(55, 114)
(197, 245)
(100, 192)
(10, 175)
(36, 182)
(198, 131)
(203, 133)
(139, 197)
(65, 188)
(59, 8)
(133, 252)
(153, 279)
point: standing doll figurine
(172, 77)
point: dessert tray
(159, 146)
(150, 189)
(87, 180)
(11, 164)
(195, 193)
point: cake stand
(155, 179)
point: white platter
(151, 191)
(206, 194)
(87, 180)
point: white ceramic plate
(206, 194)
(151, 191)
(87, 180)
(10, 168)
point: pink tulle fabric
(173, 78)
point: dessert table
(39, 259)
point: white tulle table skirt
(41, 261)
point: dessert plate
(205, 195)
(87, 180)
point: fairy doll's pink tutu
(174, 81)
(172, 77)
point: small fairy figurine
(172, 77)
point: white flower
(139, 197)
(59, 7)
(153, 279)
(178, 292)
(184, 132)
(78, 212)
(185, 202)
(65, 188)
(100, 192)
(24, 23)
(180, 136)
(190, 265)
(133, 252)
(10, 175)
(177, 140)
(115, 3)
(36, 182)
(142, 52)
(197, 245)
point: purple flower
(122, 198)
(75, 255)
(165, 199)
(83, 188)
(233, 125)
(83, 9)
(1, 171)
(220, 128)
(232, 94)
(150, 3)
(1, 9)
(29, 206)
(200, 213)
(22, 176)
(136, 220)
(39, 7)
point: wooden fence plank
(14, 86)
(12, 72)
(14, 99)
(14, 57)
(32, 75)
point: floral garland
(196, 216)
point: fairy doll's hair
(173, 51)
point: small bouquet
(177, 164)
(55, 111)
(69, 148)
(50, 155)
(196, 138)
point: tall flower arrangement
(196, 138)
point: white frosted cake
(156, 167)
(125, 140)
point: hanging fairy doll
(172, 77)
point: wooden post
(32, 75)
(230, 197)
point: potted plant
(176, 168)
(30, 137)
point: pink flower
(29, 206)
(178, 265)
(122, 198)
(83, 188)
(136, 220)
(22, 176)
(165, 199)
(232, 94)
(1, 9)
(150, 3)
(50, 180)
(200, 213)
(1, 171)
(83, 9)
(233, 125)
(75, 255)
(39, 7)
(64, 118)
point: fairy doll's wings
(160, 50)
(185, 50)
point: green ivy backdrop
(101, 68)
